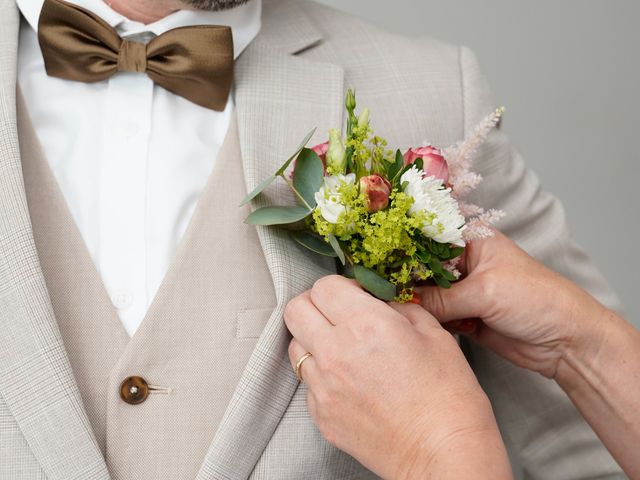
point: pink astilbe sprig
(479, 227)
(463, 179)
(460, 156)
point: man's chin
(213, 5)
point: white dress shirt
(130, 157)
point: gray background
(569, 73)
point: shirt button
(134, 390)
(122, 299)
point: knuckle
(370, 328)
(331, 362)
(322, 402)
(489, 284)
(439, 303)
(293, 308)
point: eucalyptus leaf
(258, 190)
(268, 181)
(308, 175)
(314, 242)
(333, 241)
(286, 164)
(277, 215)
(375, 284)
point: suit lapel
(36, 380)
(279, 98)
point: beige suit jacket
(293, 77)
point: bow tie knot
(193, 62)
(132, 57)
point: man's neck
(146, 11)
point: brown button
(134, 390)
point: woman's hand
(541, 321)
(388, 385)
(531, 315)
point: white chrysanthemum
(444, 222)
(329, 199)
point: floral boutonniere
(393, 220)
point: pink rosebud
(376, 190)
(434, 163)
(321, 150)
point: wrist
(586, 350)
(469, 445)
(468, 454)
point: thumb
(422, 320)
(463, 300)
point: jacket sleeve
(539, 424)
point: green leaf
(308, 176)
(438, 249)
(448, 275)
(333, 241)
(435, 265)
(268, 181)
(286, 164)
(397, 166)
(456, 252)
(375, 284)
(258, 190)
(424, 256)
(442, 282)
(314, 242)
(277, 215)
(396, 180)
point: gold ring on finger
(299, 365)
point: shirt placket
(123, 195)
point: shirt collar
(244, 20)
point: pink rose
(434, 163)
(321, 150)
(376, 192)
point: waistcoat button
(134, 390)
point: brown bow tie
(193, 62)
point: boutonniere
(392, 220)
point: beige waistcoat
(195, 339)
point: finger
(342, 300)
(422, 320)
(306, 323)
(308, 368)
(463, 300)
(513, 350)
